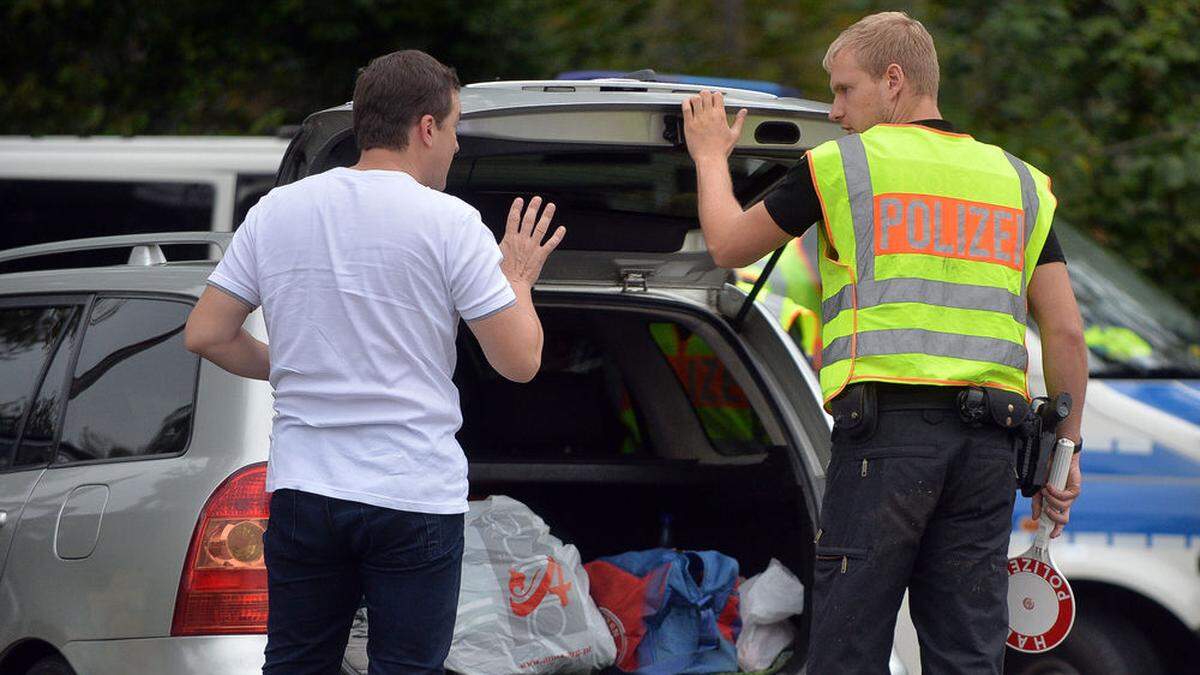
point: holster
(1031, 436)
(1036, 452)
(978, 406)
(1033, 456)
(856, 412)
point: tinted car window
(1132, 329)
(618, 199)
(719, 402)
(45, 415)
(133, 388)
(250, 189)
(29, 336)
(40, 211)
(577, 407)
(626, 181)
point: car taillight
(223, 589)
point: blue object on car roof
(730, 82)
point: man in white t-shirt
(362, 274)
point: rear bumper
(223, 654)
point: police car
(1132, 549)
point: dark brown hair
(395, 91)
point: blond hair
(882, 39)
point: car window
(41, 211)
(619, 199)
(133, 388)
(29, 338)
(577, 407)
(623, 181)
(730, 423)
(250, 189)
(1132, 328)
(45, 415)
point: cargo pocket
(833, 578)
(839, 559)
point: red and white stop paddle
(1041, 606)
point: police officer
(935, 247)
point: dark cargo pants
(924, 502)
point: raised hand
(525, 246)
(705, 127)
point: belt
(915, 396)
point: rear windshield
(646, 182)
(619, 199)
(611, 198)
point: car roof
(484, 97)
(23, 156)
(147, 270)
(703, 80)
(187, 279)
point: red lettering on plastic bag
(525, 593)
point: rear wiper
(758, 285)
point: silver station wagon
(131, 472)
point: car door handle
(3, 518)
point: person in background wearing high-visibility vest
(720, 404)
(792, 292)
(935, 248)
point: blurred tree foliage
(1102, 95)
(142, 66)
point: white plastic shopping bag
(524, 605)
(767, 600)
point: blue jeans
(323, 555)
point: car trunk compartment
(554, 444)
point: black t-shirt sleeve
(1051, 251)
(794, 204)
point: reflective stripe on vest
(919, 341)
(928, 221)
(927, 291)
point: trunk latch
(634, 281)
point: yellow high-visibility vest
(929, 241)
(721, 405)
(792, 291)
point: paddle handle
(1059, 468)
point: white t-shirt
(362, 277)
